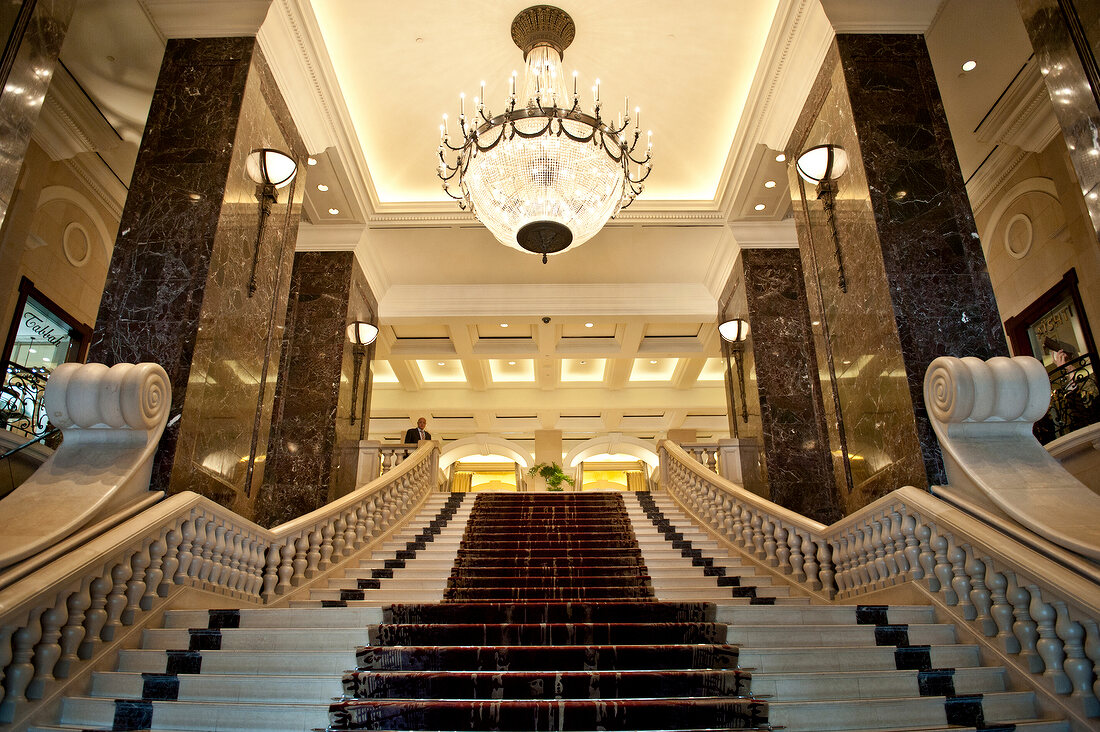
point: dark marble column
(26, 68)
(780, 351)
(1065, 35)
(177, 289)
(917, 286)
(311, 424)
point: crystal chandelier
(542, 176)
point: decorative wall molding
(765, 234)
(873, 16)
(1044, 186)
(1024, 115)
(206, 18)
(104, 233)
(999, 167)
(102, 183)
(416, 302)
(70, 123)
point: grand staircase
(553, 611)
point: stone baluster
(746, 529)
(186, 551)
(840, 557)
(1049, 645)
(960, 582)
(770, 544)
(783, 549)
(737, 526)
(897, 543)
(116, 600)
(6, 633)
(912, 547)
(154, 574)
(1001, 610)
(271, 572)
(73, 633)
(877, 550)
(1023, 626)
(207, 536)
(301, 545)
(217, 557)
(327, 533)
(258, 551)
(826, 571)
(865, 555)
(313, 554)
(943, 569)
(361, 529)
(286, 569)
(20, 669)
(171, 563)
(1077, 666)
(135, 588)
(927, 557)
(1092, 650)
(980, 596)
(350, 544)
(758, 535)
(48, 649)
(96, 615)
(339, 543)
(809, 564)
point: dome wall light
(361, 334)
(545, 174)
(734, 332)
(270, 170)
(823, 165)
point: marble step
(862, 658)
(281, 618)
(205, 715)
(254, 639)
(300, 689)
(289, 663)
(816, 636)
(379, 596)
(1039, 725)
(858, 684)
(820, 615)
(897, 713)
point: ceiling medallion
(543, 177)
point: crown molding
(101, 182)
(998, 168)
(444, 214)
(875, 16)
(416, 302)
(721, 264)
(294, 47)
(206, 18)
(70, 123)
(1024, 115)
(800, 36)
(345, 238)
(765, 234)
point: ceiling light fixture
(780, 158)
(334, 211)
(588, 325)
(322, 187)
(769, 184)
(311, 161)
(970, 65)
(759, 207)
(543, 175)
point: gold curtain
(461, 482)
(635, 480)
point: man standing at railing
(415, 434)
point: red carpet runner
(549, 623)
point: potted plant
(552, 474)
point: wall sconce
(361, 335)
(734, 332)
(270, 170)
(822, 166)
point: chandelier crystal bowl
(544, 175)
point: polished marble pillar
(25, 71)
(313, 447)
(914, 283)
(780, 353)
(1066, 39)
(177, 290)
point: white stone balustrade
(54, 619)
(1036, 610)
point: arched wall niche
(612, 444)
(483, 444)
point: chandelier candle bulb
(574, 84)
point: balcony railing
(1074, 399)
(22, 400)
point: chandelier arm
(447, 142)
(643, 161)
(641, 180)
(491, 145)
(532, 135)
(578, 138)
(448, 192)
(608, 150)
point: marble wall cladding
(795, 437)
(39, 32)
(313, 396)
(177, 291)
(917, 287)
(1066, 40)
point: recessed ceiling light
(34, 350)
(503, 325)
(588, 325)
(769, 184)
(511, 363)
(311, 161)
(780, 158)
(846, 363)
(759, 207)
(322, 187)
(969, 65)
(195, 196)
(583, 363)
(334, 211)
(440, 363)
(654, 363)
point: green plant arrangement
(552, 474)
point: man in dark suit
(417, 433)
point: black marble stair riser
(583, 634)
(555, 612)
(698, 558)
